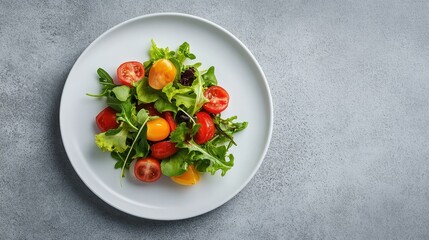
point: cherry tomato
(161, 73)
(218, 99)
(157, 130)
(106, 119)
(190, 177)
(163, 150)
(207, 129)
(170, 119)
(150, 107)
(129, 72)
(147, 169)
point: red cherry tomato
(170, 119)
(218, 99)
(163, 150)
(106, 119)
(129, 72)
(207, 129)
(147, 169)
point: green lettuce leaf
(122, 93)
(209, 77)
(116, 142)
(145, 93)
(175, 165)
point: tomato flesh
(207, 128)
(147, 169)
(170, 119)
(157, 129)
(190, 177)
(161, 73)
(218, 99)
(163, 150)
(106, 119)
(130, 72)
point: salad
(163, 117)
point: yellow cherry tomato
(190, 177)
(157, 129)
(161, 73)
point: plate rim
(223, 30)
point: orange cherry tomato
(157, 130)
(161, 73)
(190, 177)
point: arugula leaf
(120, 157)
(140, 137)
(122, 93)
(128, 114)
(215, 154)
(175, 165)
(227, 128)
(105, 80)
(180, 134)
(142, 147)
(209, 77)
(116, 142)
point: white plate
(236, 70)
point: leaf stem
(131, 148)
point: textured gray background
(349, 157)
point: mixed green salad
(163, 117)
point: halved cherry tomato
(147, 169)
(207, 128)
(170, 119)
(106, 119)
(190, 177)
(161, 73)
(218, 99)
(129, 72)
(163, 150)
(157, 130)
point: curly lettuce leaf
(184, 52)
(209, 77)
(113, 142)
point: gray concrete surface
(349, 157)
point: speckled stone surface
(349, 157)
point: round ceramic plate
(236, 70)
